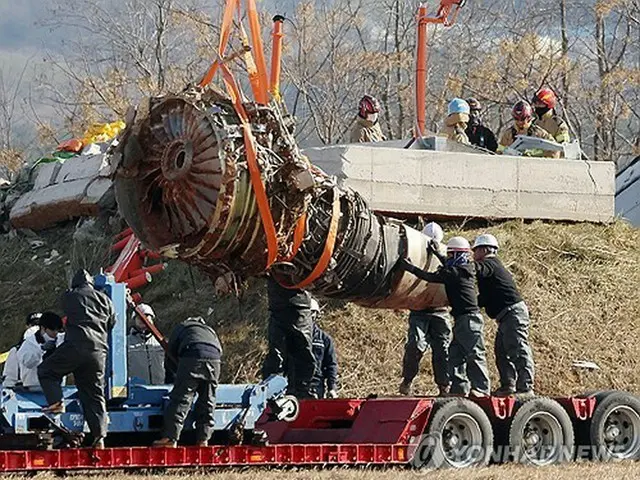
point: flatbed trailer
(415, 432)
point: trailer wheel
(615, 428)
(459, 435)
(541, 433)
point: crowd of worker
(53, 347)
(473, 278)
(464, 124)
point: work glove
(332, 394)
(432, 246)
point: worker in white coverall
(11, 371)
(145, 355)
(38, 346)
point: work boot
(98, 444)
(165, 442)
(443, 390)
(525, 394)
(477, 394)
(405, 388)
(504, 392)
(54, 408)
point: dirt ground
(585, 471)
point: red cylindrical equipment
(421, 72)
(276, 56)
(139, 281)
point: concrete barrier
(459, 184)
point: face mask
(47, 338)
(372, 117)
(475, 119)
(458, 259)
(541, 111)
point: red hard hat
(546, 96)
(367, 105)
(522, 111)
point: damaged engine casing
(183, 184)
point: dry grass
(621, 471)
(580, 282)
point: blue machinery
(135, 408)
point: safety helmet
(146, 310)
(33, 319)
(433, 230)
(458, 244)
(522, 111)
(368, 104)
(458, 105)
(315, 306)
(547, 97)
(474, 104)
(486, 240)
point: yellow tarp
(102, 132)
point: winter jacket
(326, 373)
(455, 126)
(509, 135)
(191, 339)
(482, 137)
(364, 131)
(145, 358)
(90, 316)
(496, 286)
(459, 283)
(30, 356)
(555, 126)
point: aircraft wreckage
(220, 183)
(184, 184)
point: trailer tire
(459, 435)
(541, 433)
(615, 428)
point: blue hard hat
(458, 105)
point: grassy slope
(580, 282)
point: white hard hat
(486, 240)
(315, 306)
(458, 244)
(146, 309)
(433, 230)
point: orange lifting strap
(329, 245)
(260, 90)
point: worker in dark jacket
(479, 135)
(290, 335)
(467, 358)
(501, 300)
(428, 328)
(195, 352)
(90, 316)
(325, 380)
